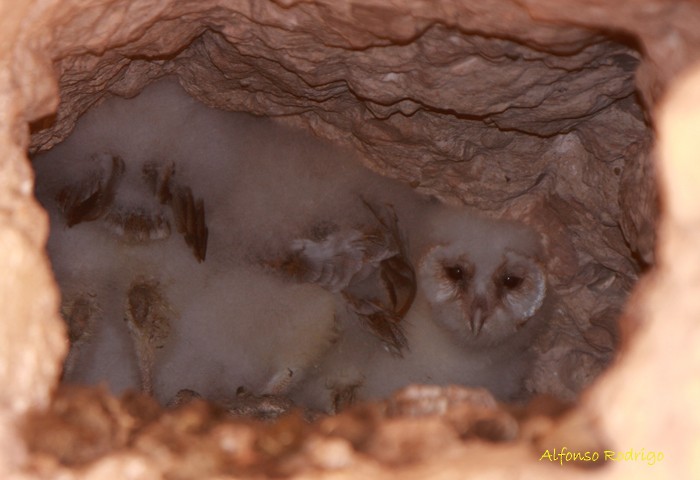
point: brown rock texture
(539, 109)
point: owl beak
(479, 314)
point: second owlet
(482, 298)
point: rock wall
(542, 110)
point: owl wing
(395, 271)
(385, 296)
(190, 220)
(337, 261)
(188, 211)
(147, 315)
(92, 197)
(369, 268)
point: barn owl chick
(482, 300)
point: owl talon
(280, 383)
(261, 407)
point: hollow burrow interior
(543, 127)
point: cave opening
(551, 135)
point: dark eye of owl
(511, 282)
(455, 273)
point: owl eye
(455, 273)
(511, 282)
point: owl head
(483, 279)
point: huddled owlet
(482, 298)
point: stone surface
(521, 108)
(651, 397)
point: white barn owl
(482, 299)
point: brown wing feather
(398, 278)
(190, 220)
(189, 213)
(91, 198)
